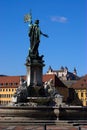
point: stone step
(34, 122)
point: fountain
(33, 100)
(32, 92)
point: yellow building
(8, 86)
(81, 89)
(6, 94)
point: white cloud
(60, 19)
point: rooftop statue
(34, 34)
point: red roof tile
(81, 84)
(10, 81)
(56, 80)
(15, 80)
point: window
(84, 80)
(82, 94)
(1, 83)
(15, 83)
(10, 84)
(6, 84)
(3, 90)
(81, 84)
(12, 90)
(6, 89)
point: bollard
(44, 127)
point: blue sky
(63, 20)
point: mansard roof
(10, 81)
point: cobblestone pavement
(40, 127)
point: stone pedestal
(34, 68)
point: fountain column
(34, 72)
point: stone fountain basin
(28, 112)
(39, 100)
